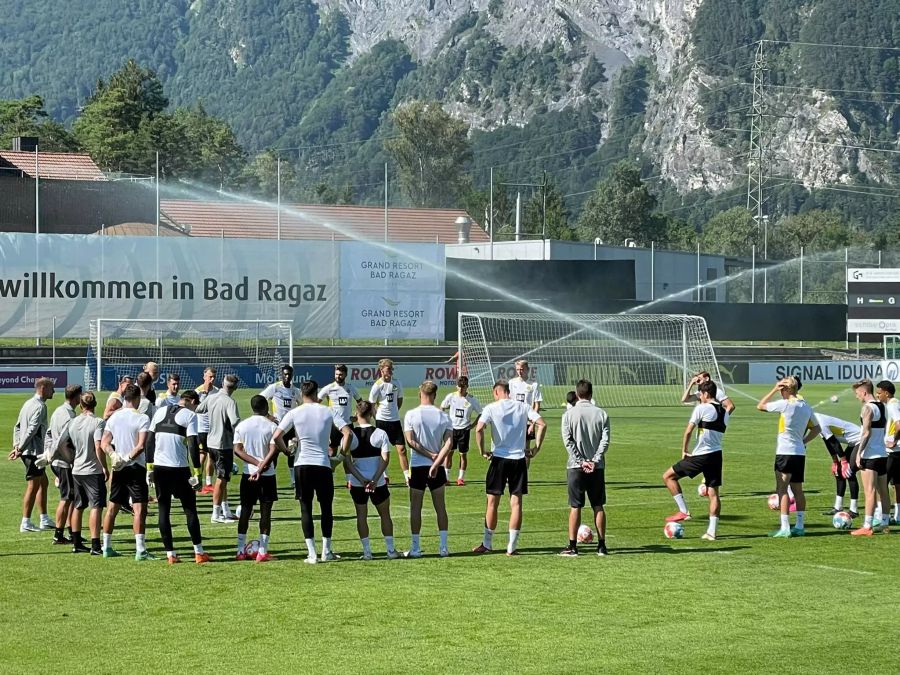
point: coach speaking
(585, 433)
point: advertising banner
(21, 379)
(839, 372)
(394, 292)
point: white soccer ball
(585, 535)
(252, 548)
(842, 521)
(834, 398)
(673, 530)
(702, 490)
(774, 502)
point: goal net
(253, 350)
(631, 359)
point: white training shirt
(461, 409)
(875, 447)
(386, 396)
(708, 440)
(340, 397)
(892, 409)
(429, 424)
(844, 431)
(171, 449)
(283, 398)
(124, 426)
(368, 465)
(313, 423)
(168, 399)
(796, 418)
(508, 420)
(524, 391)
(255, 435)
(203, 418)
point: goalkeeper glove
(43, 460)
(846, 471)
(194, 480)
(835, 468)
(149, 474)
(118, 461)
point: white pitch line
(843, 569)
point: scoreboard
(873, 302)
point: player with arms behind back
(207, 388)
(508, 466)
(339, 394)
(710, 419)
(463, 409)
(796, 427)
(387, 395)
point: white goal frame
(632, 359)
(172, 332)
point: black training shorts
(505, 473)
(591, 484)
(794, 465)
(710, 465)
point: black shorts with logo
(591, 484)
(503, 473)
(90, 491)
(360, 496)
(173, 481)
(876, 464)
(224, 462)
(419, 478)
(336, 437)
(129, 482)
(795, 465)
(66, 484)
(461, 440)
(394, 431)
(31, 469)
(893, 468)
(710, 465)
(263, 490)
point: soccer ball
(673, 530)
(774, 502)
(234, 469)
(585, 535)
(834, 399)
(842, 521)
(252, 548)
(702, 490)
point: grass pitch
(823, 603)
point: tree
(815, 231)
(548, 202)
(478, 204)
(432, 151)
(261, 176)
(202, 147)
(733, 232)
(117, 125)
(621, 208)
(28, 117)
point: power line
(833, 45)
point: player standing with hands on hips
(585, 433)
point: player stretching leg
(710, 419)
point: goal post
(251, 349)
(631, 359)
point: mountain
(565, 87)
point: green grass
(823, 603)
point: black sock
(59, 533)
(76, 538)
(71, 534)
(95, 543)
(573, 544)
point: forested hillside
(549, 94)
